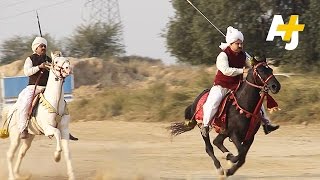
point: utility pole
(106, 11)
(103, 11)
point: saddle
(33, 126)
(219, 120)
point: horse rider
(231, 64)
(34, 65)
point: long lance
(39, 24)
(247, 54)
(40, 30)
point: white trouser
(265, 116)
(210, 107)
(23, 104)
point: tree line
(92, 40)
(191, 39)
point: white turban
(231, 36)
(36, 43)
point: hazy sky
(143, 21)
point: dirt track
(123, 150)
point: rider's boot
(268, 128)
(24, 134)
(73, 138)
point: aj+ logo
(286, 31)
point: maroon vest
(37, 60)
(236, 60)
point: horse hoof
(220, 171)
(71, 178)
(57, 156)
(228, 173)
(222, 177)
(17, 176)
(226, 155)
(230, 163)
(21, 177)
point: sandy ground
(131, 150)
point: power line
(12, 4)
(3, 2)
(43, 7)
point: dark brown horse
(260, 80)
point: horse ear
(257, 59)
(56, 54)
(261, 58)
(52, 55)
(253, 61)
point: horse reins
(60, 70)
(264, 91)
(255, 74)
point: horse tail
(4, 131)
(189, 115)
(188, 112)
(181, 127)
(4, 114)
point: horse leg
(56, 132)
(14, 143)
(67, 156)
(218, 142)
(64, 128)
(242, 153)
(209, 150)
(26, 143)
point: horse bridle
(264, 91)
(60, 69)
(256, 74)
(55, 67)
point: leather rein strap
(264, 91)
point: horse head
(60, 66)
(261, 75)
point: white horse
(52, 119)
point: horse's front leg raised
(49, 131)
(57, 153)
(243, 149)
(209, 150)
(64, 128)
(218, 141)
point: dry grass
(136, 89)
(299, 99)
(166, 91)
(12, 69)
